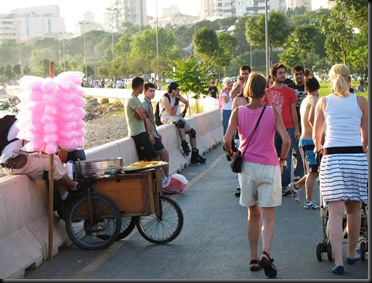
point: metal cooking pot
(99, 167)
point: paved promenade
(213, 243)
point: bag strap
(258, 121)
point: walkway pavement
(212, 244)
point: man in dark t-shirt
(298, 74)
(213, 90)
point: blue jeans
(225, 120)
(286, 175)
(299, 169)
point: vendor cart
(118, 201)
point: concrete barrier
(24, 202)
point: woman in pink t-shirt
(260, 179)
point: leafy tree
(299, 46)
(239, 33)
(278, 30)
(8, 72)
(192, 78)
(206, 44)
(144, 45)
(338, 33)
(17, 70)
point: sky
(73, 10)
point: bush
(105, 101)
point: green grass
(325, 89)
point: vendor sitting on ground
(171, 113)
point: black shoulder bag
(237, 160)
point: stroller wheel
(329, 252)
(319, 251)
(363, 247)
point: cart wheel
(162, 228)
(127, 226)
(319, 248)
(93, 226)
(329, 252)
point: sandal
(268, 266)
(255, 265)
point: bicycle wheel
(162, 228)
(127, 226)
(94, 223)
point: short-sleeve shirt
(213, 91)
(135, 126)
(281, 99)
(146, 103)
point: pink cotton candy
(51, 112)
(51, 148)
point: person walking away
(298, 73)
(306, 145)
(239, 100)
(171, 113)
(155, 136)
(284, 100)
(260, 178)
(344, 166)
(213, 90)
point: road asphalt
(212, 244)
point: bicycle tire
(127, 226)
(104, 228)
(163, 228)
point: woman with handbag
(260, 176)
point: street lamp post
(85, 49)
(157, 43)
(266, 39)
(112, 32)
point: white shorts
(260, 184)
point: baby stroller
(325, 245)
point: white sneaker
(311, 204)
(165, 182)
(295, 193)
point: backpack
(5, 123)
(157, 111)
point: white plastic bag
(178, 184)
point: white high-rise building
(227, 8)
(292, 4)
(41, 21)
(120, 11)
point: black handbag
(237, 160)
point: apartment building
(226, 8)
(9, 28)
(37, 22)
(121, 11)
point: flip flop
(268, 266)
